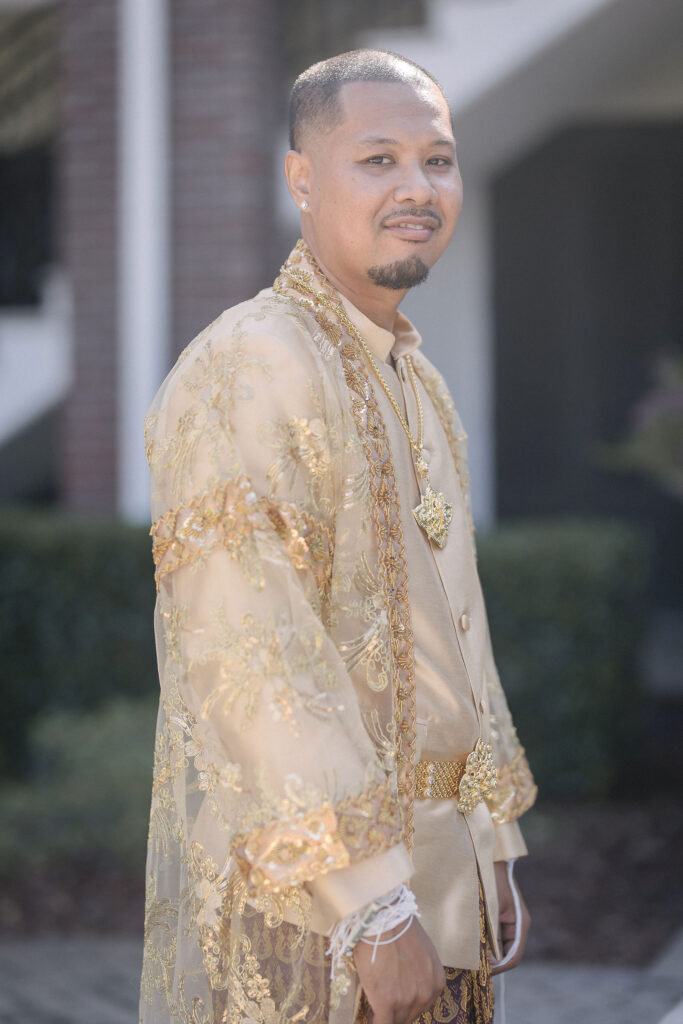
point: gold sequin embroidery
(303, 843)
(516, 791)
(232, 518)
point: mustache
(414, 211)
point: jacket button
(482, 706)
(464, 622)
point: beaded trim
(471, 779)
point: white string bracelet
(504, 961)
(371, 921)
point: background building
(141, 193)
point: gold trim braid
(304, 284)
(387, 522)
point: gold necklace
(434, 513)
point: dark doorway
(588, 289)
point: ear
(298, 174)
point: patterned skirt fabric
(468, 995)
(466, 999)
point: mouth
(412, 229)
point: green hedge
(566, 602)
(76, 606)
(89, 792)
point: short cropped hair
(314, 99)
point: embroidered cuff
(303, 846)
(515, 792)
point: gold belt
(472, 778)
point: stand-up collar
(301, 274)
(383, 343)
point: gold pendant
(434, 515)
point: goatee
(400, 275)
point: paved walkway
(90, 980)
(84, 980)
(538, 993)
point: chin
(400, 274)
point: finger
(517, 958)
(507, 939)
(384, 1010)
(510, 965)
(382, 1016)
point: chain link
(435, 512)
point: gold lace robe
(283, 791)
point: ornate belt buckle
(480, 777)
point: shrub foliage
(565, 601)
(89, 789)
(566, 604)
(76, 607)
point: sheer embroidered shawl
(285, 736)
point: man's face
(385, 188)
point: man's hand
(405, 978)
(506, 919)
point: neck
(378, 304)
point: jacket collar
(382, 343)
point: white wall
(35, 356)
(651, 89)
(515, 73)
(144, 301)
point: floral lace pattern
(285, 740)
(282, 627)
(228, 517)
(308, 288)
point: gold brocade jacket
(313, 645)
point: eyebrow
(377, 140)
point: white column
(143, 305)
(453, 311)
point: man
(331, 724)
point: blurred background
(141, 193)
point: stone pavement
(543, 993)
(93, 980)
(74, 980)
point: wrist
(382, 921)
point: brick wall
(227, 99)
(87, 234)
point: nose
(415, 186)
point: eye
(440, 161)
(379, 161)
